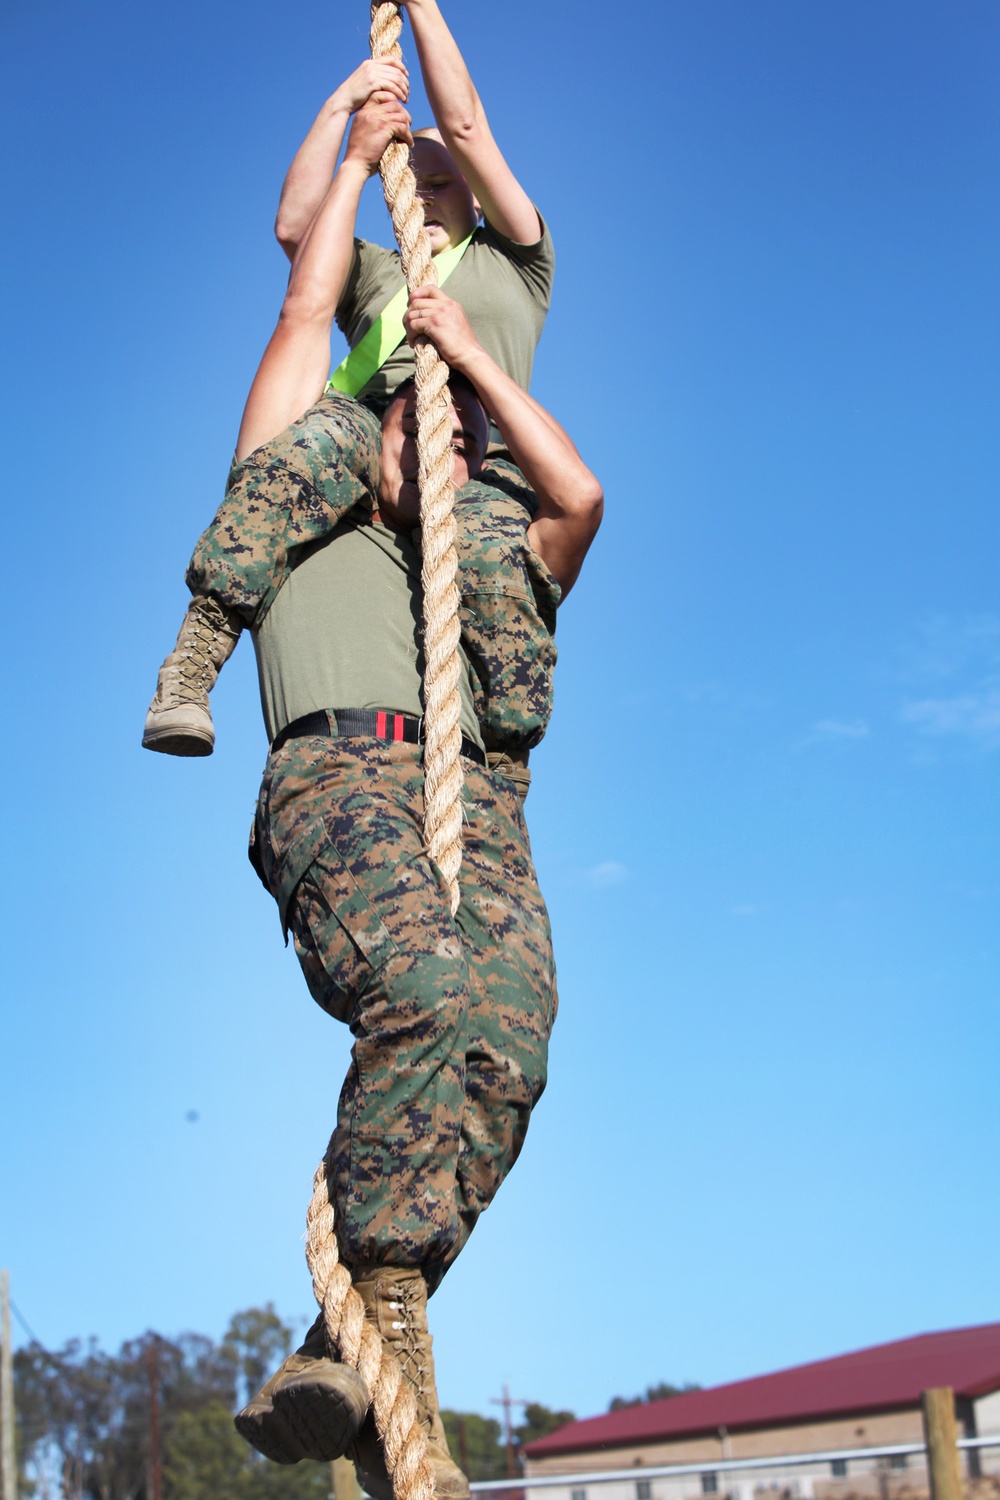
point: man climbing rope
(450, 1014)
(500, 271)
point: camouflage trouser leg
(287, 493)
(451, 1017)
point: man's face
(451, 212)
(399, 493)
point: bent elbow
(463, 128)
(305, 307)
(591, 504)
(288, 233)
(463, 122)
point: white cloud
(840, 729)
(944, 649)
(608, 873)
(973, 716)
(951, 669)
(835, 731)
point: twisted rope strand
(442, 705)
(361, 1347)
(347, 1329)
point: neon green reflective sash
(387, 332)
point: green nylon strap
(387, 331)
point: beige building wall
(803, 1437)
(902, 1478)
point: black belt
(369, 723)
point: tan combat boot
(312, 1407)
(396, 1302)
(179, 721)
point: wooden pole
(343, 1480)
(941, 1437)
(8, 1466)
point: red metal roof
(883, 1378)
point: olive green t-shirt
(505, 289)
(344, 632)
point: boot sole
(178, 731)
(177, 744)
(320, 1417)
(258, 1425)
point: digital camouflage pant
(450, 1016)
(286, 494)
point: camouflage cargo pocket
(340, 940)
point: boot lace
(206, 643)
(409, 1345)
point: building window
(578, 1495)
(839, 1468)
(643, 1489)
(710, 1484)
(897, 1461)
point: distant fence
(716, 1466)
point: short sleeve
(535, 264)
(374, 274)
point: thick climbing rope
(442, 705)
(358, 1341)
(361, 1346)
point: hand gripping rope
(359, 1343)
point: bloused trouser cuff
(450, 1016)
(286, 494)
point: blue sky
(765, 817)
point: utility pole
(8, 1467)
(153, 1368)
(507, 1401)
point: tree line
(154, 1421)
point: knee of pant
(346, 432)
(536, 1074)
(418, 1002)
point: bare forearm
(462, 121)
(449, 85)
(323, 258)
(310, 174)
(570, 499)
(293, 372)
(315, 162)
(540, 447)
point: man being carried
(500, 271)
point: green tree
(206, 1457)
(659, 1392)
(83, 1407)
(88, 1415)
(208, 1460)
(254, 1343)
(475, 1444)
(539, 1421)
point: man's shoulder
(373, 274)
(502, 487)
(538, 257)
(371, 254)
